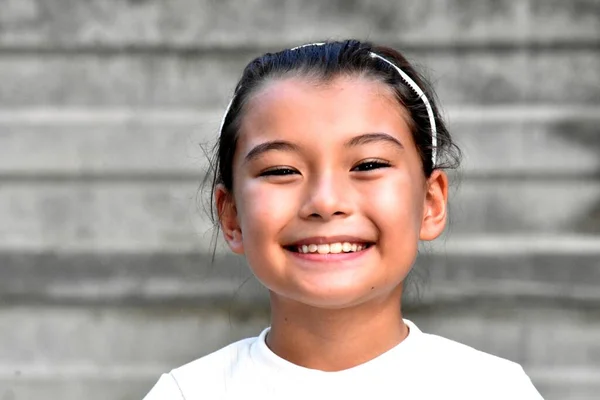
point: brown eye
(279, 172)
(370, 165)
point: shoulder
(461, 355)
(205, 375)
(480, 372)
(222, 361)
(165, 388)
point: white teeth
(323, 248)
(333, 248)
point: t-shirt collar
(264, 357)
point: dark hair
(323, 63)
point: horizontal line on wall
(501, 245)
(455, 113)
(575, 375)
(562, 375)
(190, 176)
(71, 115)
(116, 177)
(55, 372)
(516, 244)
(447, 292)
(238, 296)
(410, 45)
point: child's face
(323, 179)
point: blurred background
(106, 278)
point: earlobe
(228, 219)
(435, 211)
(235, 240)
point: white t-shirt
(422, 366)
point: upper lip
(329, 240)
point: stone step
(45, 24)
(121, 351)
(116, 337)
(206, 79)
(556, 271)
(170, 215)
(120, 142)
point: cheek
(265, 209)
(264, 212)
(396, 204)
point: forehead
(298, 107)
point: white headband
(404, 77)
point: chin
(328, 297)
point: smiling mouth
(331, 248)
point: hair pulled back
(323, 63)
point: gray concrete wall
(106, 277)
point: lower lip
(330, 257)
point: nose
(326, 197)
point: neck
(335, 339)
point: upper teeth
(334, 248)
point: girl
(329, 170)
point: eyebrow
(373, 137)
(262, 148)
(283, 145)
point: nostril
(316, 215)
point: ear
(435, 210)
(228, 219)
